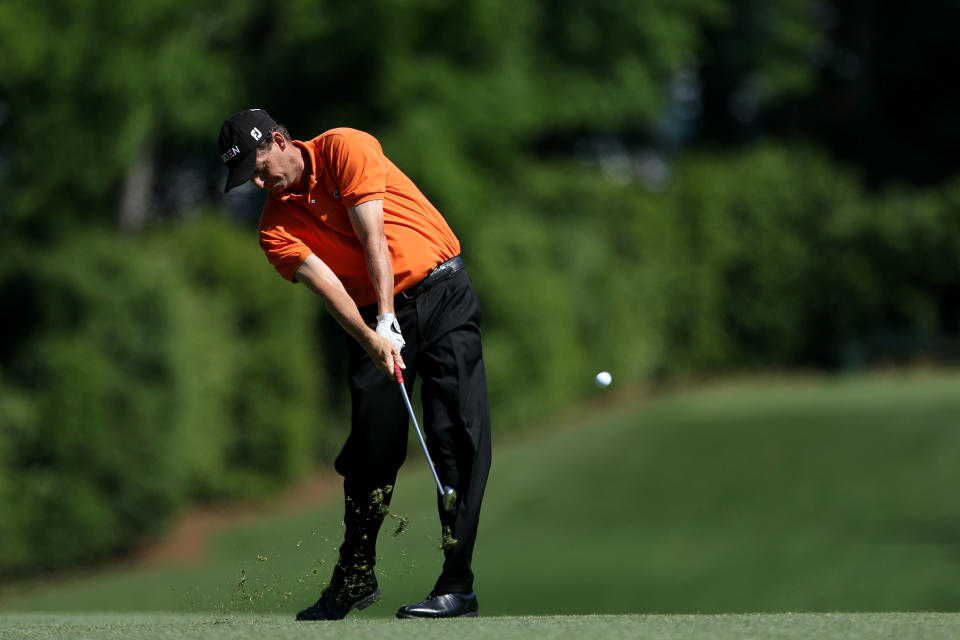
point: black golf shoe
(442, 605)
(336, 603)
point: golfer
(343, 220)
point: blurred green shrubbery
(787, 260)
(141, 374)
(772, 257)
(251, 387)
(89, 463)
(138, 375)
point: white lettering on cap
(255, 133)
(231, 152)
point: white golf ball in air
(604, 379)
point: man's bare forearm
(367, 221)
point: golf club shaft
(423, 443)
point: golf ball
(603, 379)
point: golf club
(447, 494)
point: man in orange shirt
(344, 221)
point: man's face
(272, 171)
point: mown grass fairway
(897, 626)
(810, 495)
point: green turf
(873, 626)
(810, 495)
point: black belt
(435, 277)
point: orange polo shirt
(349, 168)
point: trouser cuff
(453, 586)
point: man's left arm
(367, 221)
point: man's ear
(279, 140)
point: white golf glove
(389, 328)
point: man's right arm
(320, 279)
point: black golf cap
(240, 136)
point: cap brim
(241, 171)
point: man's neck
(306, 168)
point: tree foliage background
(657, 189)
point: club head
(449, 498)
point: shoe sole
(360, 605)
(407, 616)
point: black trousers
(441, 327)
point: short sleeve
(285, 252)
(359, 168)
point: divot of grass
(402, 523)
(447, 541)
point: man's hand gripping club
(384, 351)
(389, 328)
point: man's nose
(257, 180)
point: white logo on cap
(256, 134)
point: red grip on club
(396, 371)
